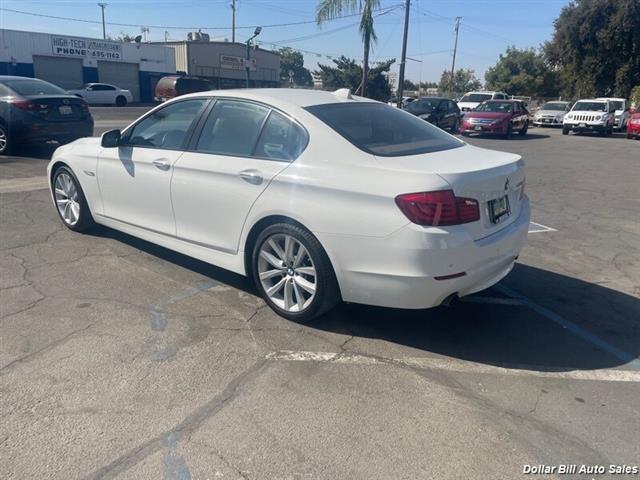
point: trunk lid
(57, 108)
(472, 172)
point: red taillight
(441, 207)
(25, 105)
(85, 106)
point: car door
(107, 94)
(239, 149)
(135, 177)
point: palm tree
(331, 9)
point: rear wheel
(71, 203)
(121, 101)
(293, 273)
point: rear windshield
(31, 86)
(382, 130)
(476, 97)
(590, 107)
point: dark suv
(32, 110)
(441, 112)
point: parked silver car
(551, 114)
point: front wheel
(523, 130)
(456, 126)
(293, 273)
(71, 203)
(5, 142)
(509, 132)
(565, 130)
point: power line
(174, 27)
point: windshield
(590, 106)
(499, 107)
(32, 86)
(476, 97)
(554, 106)
(382, 130)
(422, 105)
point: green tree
(523, 72)
(330, 9)
(409, 85)
(596, 47)
(463, 81)
(347, 73)
(425, 85)
(292, 60)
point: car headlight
(599, 117)
(569, 117)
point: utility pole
(455, 48)
(104, 31)
(233, 21)
(403, 59)
(255, 34)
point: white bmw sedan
(318, 196)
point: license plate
(65, 110)
(499, 209)
(478, 128)
(583, 125)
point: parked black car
(32, 110)
(442, 112)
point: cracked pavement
(122, 360)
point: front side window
(496, 107)
(166, 128)
(383, 130)
(281, 139)
(232, 128)
(422, 105)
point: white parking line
(539, 228)
(455, 365)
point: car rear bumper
(403, 270)
(61, 131)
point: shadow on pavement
(512, 336)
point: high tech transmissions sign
(86, 48)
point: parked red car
(633, 126)
(501, 117)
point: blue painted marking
(577, 330)
(175, 468)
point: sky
(487, 27)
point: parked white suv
(590, 115)
(471, 100)
(103, 94)
(622, 112)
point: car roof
(285, 96)
(601, 100)
(18, 77)
(613, 98)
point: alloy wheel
(3, 140)
(287, 272)
(67, 201)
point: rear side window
(232, 128)
(383, 130)
(166, 128)
(281, 139)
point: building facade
(225, 63)
(69, 61)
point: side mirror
(110, 139)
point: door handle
(253, 177)
(162, 164)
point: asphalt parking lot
(120, 359)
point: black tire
(523, 130)
(465, 134)
(121, 101)
(629, 136)
(509, 132)
(85, 220)
(456, 126)
(327, 294)
(565, 131)
(6, 145)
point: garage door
(123, 75)
(64, 72)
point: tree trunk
(365, 66)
